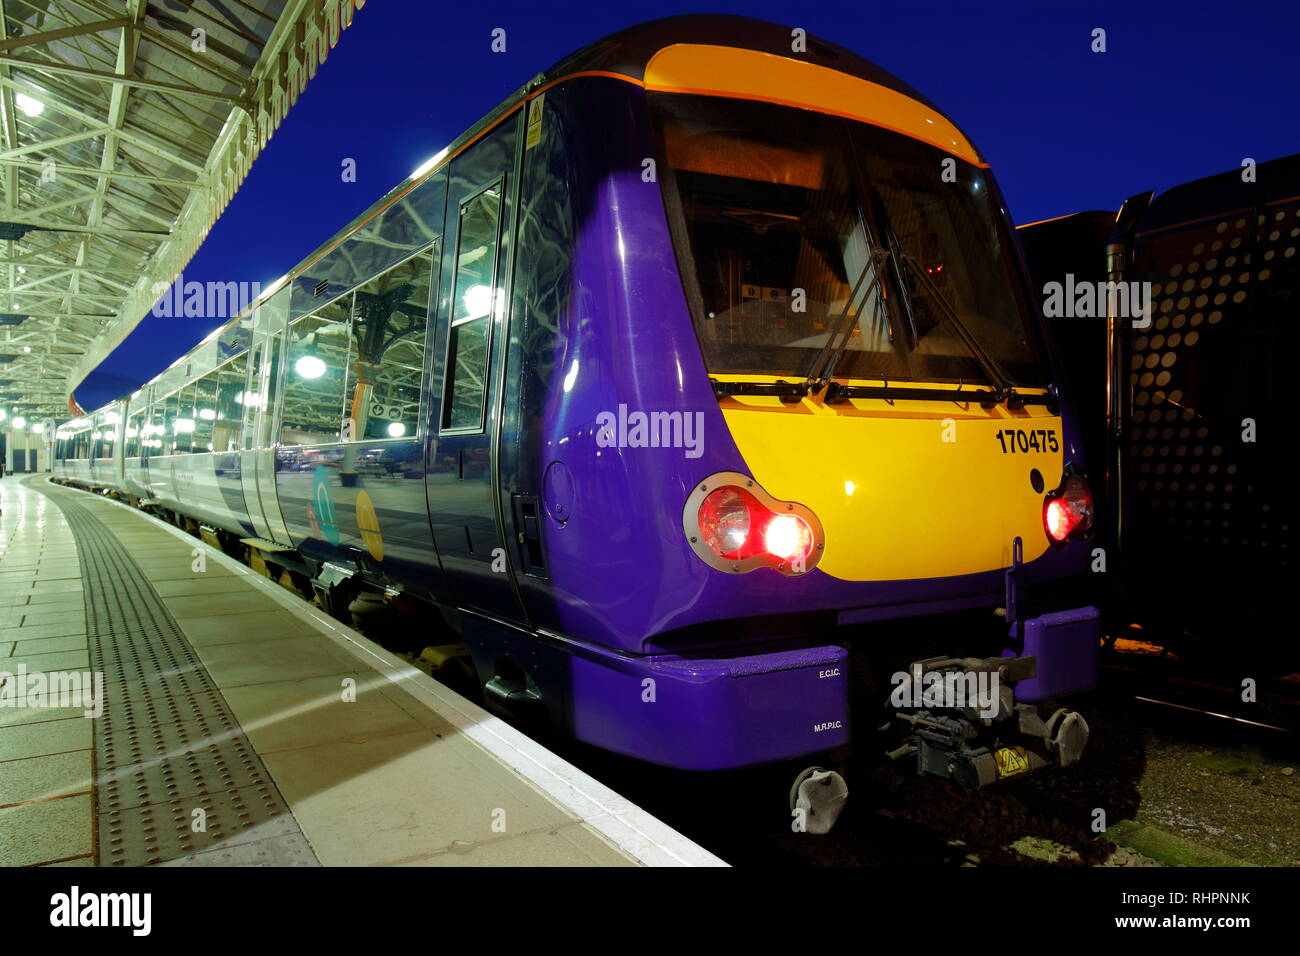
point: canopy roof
(125, 128)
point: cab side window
(474, 299)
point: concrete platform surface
(240, 725)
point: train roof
(1274, 181)
(629, 51)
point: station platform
(163, 704)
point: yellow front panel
(908, 490)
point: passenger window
(167, 426)
(205, 412)
(317, 376)
(133, 433)
(76, 444)
(154, 430)
(389, 321)
(107, 428)
(229, 404)
(183, 422)
(472, 301)
(97, 438)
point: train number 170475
(1024, 440)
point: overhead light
(309, 366)
(38, 428)
(29, 105)
(27, 348)
(207, 414)
(3, 414)
(396, 429)
(20, 422)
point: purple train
(700, 388)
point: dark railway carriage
(1076, 245)
(1200, 406)
(697, 379)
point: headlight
(733, 525)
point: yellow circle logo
(368, 525)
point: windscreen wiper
(903, 298)
(1003, 388)
(822, 367)
(997, 377)
(819, 370)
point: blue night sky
(1186, 89)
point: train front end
(879, 514)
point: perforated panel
(1209, 519)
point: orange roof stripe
(752, 75)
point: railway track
(1172, 692)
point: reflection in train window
(152, 430)
(229, 403)
(137, 421)
(205, 412)
(472, 302)
(106, 426)
(180, 426)
(389, 318)
(317, 376)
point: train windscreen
(795, 228)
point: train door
(257, 457)
(469, 347)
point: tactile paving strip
(168, 750)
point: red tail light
(734, 525)
(788, 537)
(729, 519)
(1068, 510)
